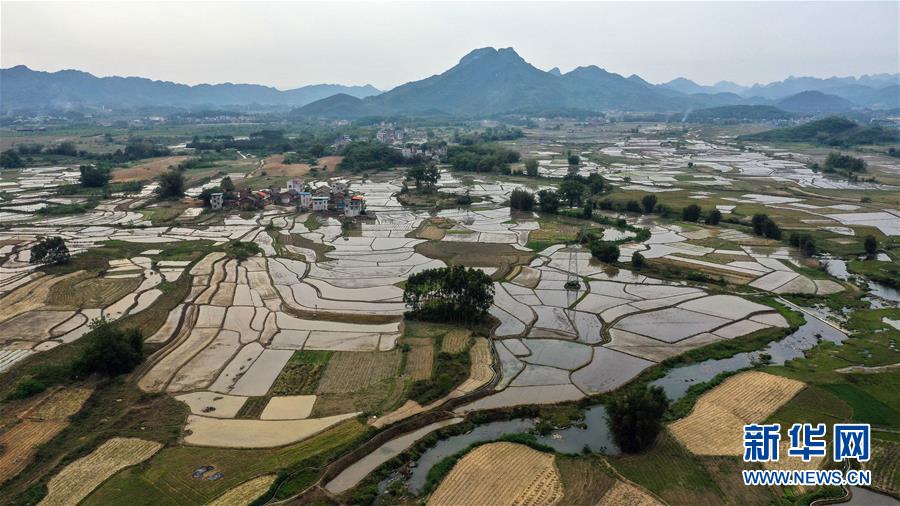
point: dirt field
(715, 426)
(79, 478)
(501, 473)
(420, 359)
(91, 292)
(274, 166)
(350, 371)
(431, 233)
(20, 443)
(456, 341)
(501, 256)
(330, 162)
(246, 492)
(146, 171)
(30, 296)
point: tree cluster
(804, 242)
(426, 175)
(635, 418)
(764, 226)
(95, 176)
(171, 185)
(837, 162)
(364, 156)
(521, 199)
(483, 157)
(50, 251)
(449, 294)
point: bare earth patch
(501, 473)
(715, 426)
(626, 494)
(147, 170)
(79, 478)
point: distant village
(335, 195)
(320, 196)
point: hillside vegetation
(833, 131)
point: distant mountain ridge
(490, 81)
(485, 82)
(22, 88)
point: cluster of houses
(320, 196)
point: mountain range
(485, 82)
(23, 88)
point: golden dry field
(715, 426)
(81, 477)
(246, 492)
(501, 473)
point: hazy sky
(291, 44)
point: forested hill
(23, 88)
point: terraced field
(91, 292)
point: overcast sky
(385, 44)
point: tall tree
(649, 202)
(635, 418)
(171, 185)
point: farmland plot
(715, 425)
(501, 473)
(79, 478)
(246, 492)
(39, 424)
(420, 359)
(456, 341)
(349, 371)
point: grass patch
(302, 373)
(312, 223)
(886, 273)
(117, 408)
(252, 408)
(166, 479)
(468, 254)
(866, 408)
(671, 472)
(812, 405)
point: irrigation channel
(592, 432)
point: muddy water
(677, 381)
(593, 432)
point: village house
(355, 206)
(216, 200)
(304, 200)
(320, 203)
